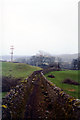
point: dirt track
(39, 103)
(39, 99)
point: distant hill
(68, 57)
(64, 57)
(8, 57)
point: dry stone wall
(39, 99)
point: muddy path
(39, 99)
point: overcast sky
(33, 25)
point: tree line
(44, 61)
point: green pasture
(17, 70)
(73, 90)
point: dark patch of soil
(70, 81)
(8, 83)
(51, 76)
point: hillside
(17, 70)
(14, 73)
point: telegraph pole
(12, 48)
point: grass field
(73, 90)
(17, 70)
(21, 70)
